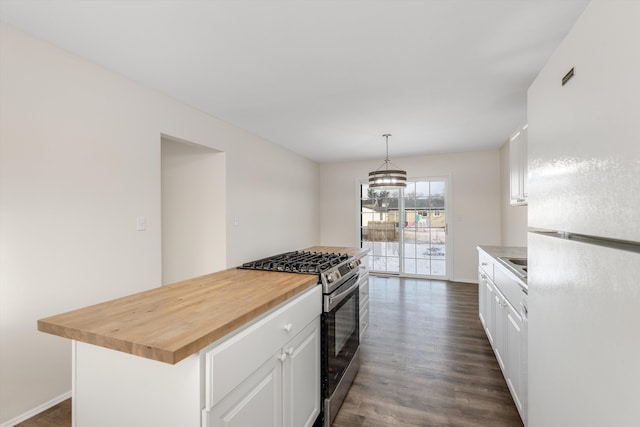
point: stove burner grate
(297, 262)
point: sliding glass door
(406, 230)
(379, 230)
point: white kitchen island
(234, 348)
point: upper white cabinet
(518, 166)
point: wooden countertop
(357, 252)
(173, 322)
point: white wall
(79, 161)
(513, 225)
(475, 201)
(193, 210)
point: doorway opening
(193, 193)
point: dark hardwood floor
(425, 361)
(59, 415)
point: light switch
(141, 223)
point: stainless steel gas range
(338, 274)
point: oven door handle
(333, 300)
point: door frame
(447, 178)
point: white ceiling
(325, 78)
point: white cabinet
(269, 373)
(499, 333)
(485, 299)
(485, 294)
(364, 295)
(301, 391)
(283, 391)
(499, 294)
(515, 361)
(518, 167)
(507, 344)
(256, 401)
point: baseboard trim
(35, 411)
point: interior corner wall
(80, 154)
(474, 193)
(514, 218)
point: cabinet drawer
(364, 319)
(486, 263)
(229, 363)
(508, 286)
(364, 303)
(364, 293)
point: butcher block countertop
(172, 322)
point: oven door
(341, 332)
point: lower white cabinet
(504, 326)
(283, 391)
(485, 303)
(269, 373)
(301, 374)
(499, 312)
(513, 353)
(364, 300)
(256, 401)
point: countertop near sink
(505, 251)
(498, 252)
(172, 322)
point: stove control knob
(331, 277)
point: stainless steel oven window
(345, 324)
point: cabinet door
(364, 301)
(515, 156)
(302, 377)
(257, 401)
(524, 148)
(499, 320)
(518, 167)
(482, 298)
(514, 356)
(490, 311)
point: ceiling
(325, 78)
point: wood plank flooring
(425, 362)
(57, 416)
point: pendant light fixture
(383, 177)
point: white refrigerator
(584, 225)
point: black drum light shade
(383, 177)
